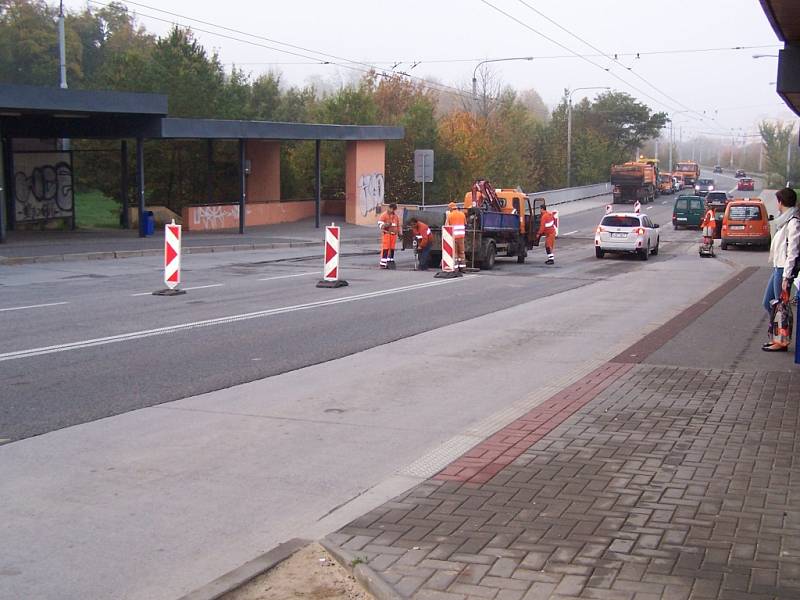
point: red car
(745, 183)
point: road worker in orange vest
(422, 237)
(709, 227)
(389, 224)
(458, 220)
(547, 228)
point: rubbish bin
(149, 222)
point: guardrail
(573, 194)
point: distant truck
(503, 222)
(690, 171)
(665, 183)
(633, 181)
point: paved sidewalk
(47, 246)
(641, 481)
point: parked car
(740, 173)
(630, 233)
(717, 169)
(746, 223)
(703, 186)
(745, 184)
(687, 212)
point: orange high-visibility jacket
(422, 231)
(458, 220)
(389, 223)
(709, 221)
(547, 226)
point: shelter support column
(364, 181)
(210, 171)
(3, 190)
(140, 184)
(317, 185)
(242, 185)
(123, 184)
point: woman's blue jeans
(773, 291)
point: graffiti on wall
(370, 193)
(215, 217)
(42, 186)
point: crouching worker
(422, 237)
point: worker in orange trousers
(389, 224)
(547, 228)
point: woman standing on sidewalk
(784, 255)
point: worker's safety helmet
(452, 206)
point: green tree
(777, 139)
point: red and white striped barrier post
(330, 268)
(637, 207)
(448, 255)
(609, 208)
(172, 261)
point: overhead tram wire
(337, 60)
(611, 58)
(584, 58)
(434, 61)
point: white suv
(631, 233)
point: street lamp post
(569, 127)
(483, 62)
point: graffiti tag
(42, 189)
(213, 217)
(370, 193)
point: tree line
(504, 135)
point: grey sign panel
(423, 166)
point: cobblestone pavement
(669, 483)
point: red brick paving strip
(492, 455)
(489, 457)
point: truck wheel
(487, 263)
(521, 259)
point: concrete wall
(364, 181)
(226, 216)
(264, 181)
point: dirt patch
(309, 574)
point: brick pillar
(364, 181)
(264, 181)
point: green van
(688, 211)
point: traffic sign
(423, 166)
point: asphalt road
(85, 342)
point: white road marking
(293, 275)
(33, 306)
(197, 287)
(135, 335)
(571, 232)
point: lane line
(571, 232)
(135, 335)
(293, 275)
(33, 306)
(197, 287)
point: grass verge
(95, 210)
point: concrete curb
(119, 254)
(369, 579)
(247, 572)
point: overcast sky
(382, 32)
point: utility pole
(62, 52)
(671, 143)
